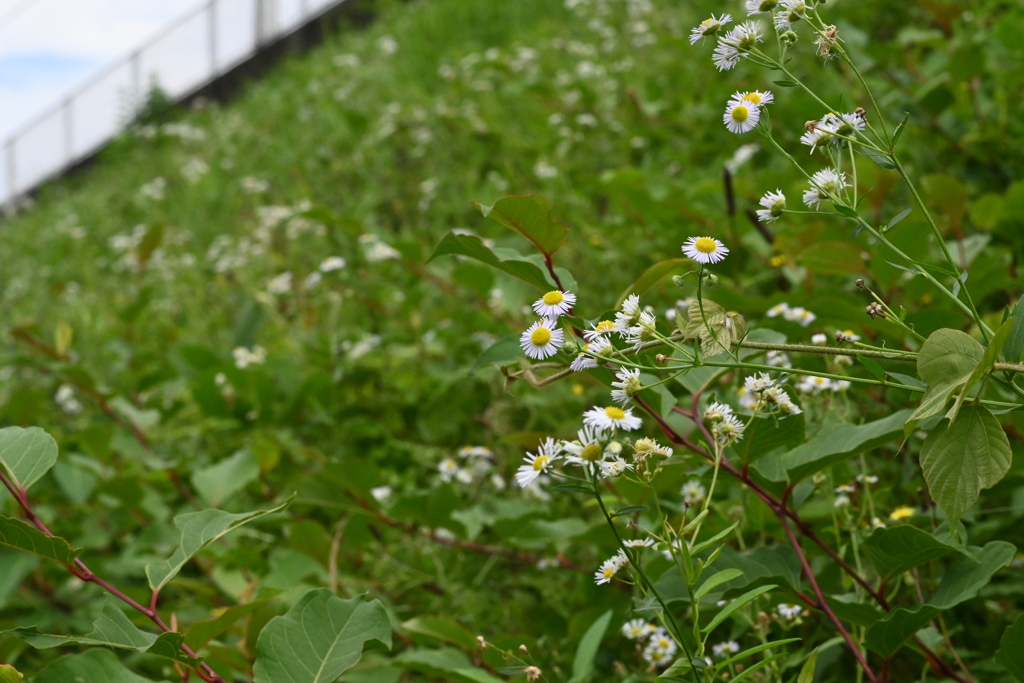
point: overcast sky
(47, 47)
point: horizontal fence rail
(184, 58)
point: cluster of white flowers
(244, 357)
(789, 611)
(729, 647)
(796, 314)
(610, 567)
(660, 648)
(543, 338)
(769, 396)
(65, 398)
(817, 385)
(725, 426)
(833, 128)
(734, 45)
(474, 464)
(638, 629)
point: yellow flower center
(540, 336)
(615, 413)
(608, 572)
(605, 326)
(706, 245)
(740, 113)
(591, 452)
(753, 97)
(553, 298)
(540, 462)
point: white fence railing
(182, 59)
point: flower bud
(678, 281)
(709, 279)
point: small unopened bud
(661, 358)
(788, 38)
(481, 642)
(678, 280)
(709, 279)
(841, 338)
(570, 347)
(810, 126)
(522, 648)
(875, 310)
(860, 283)
(861, 112)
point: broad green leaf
(530, 216)
(504, 350)
(506, 260)
(18, 534)
(202, 632)
(443, 629)
(837, 443)
(198, 529)
(433, 662)
(1011, 649)
(764, 435)
(220, 481)
(948, 355)
(849, 608)
(934, 400)
(754, 650)
(775, 563)
(995, 346)
(960, 459)
(652, 276)
(888, 635)
(92, 666)
(583, 662)
(8, 674)
(899, 549)
(1013, 349)
(26, 454)
(735, 605)
(112, 629)
(715, 580)
(319, 638)
(969, 573)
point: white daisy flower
(588, 448)
(778, 359)
(614, 468)
(825, 184)
(448, 469)
(643, 331)
(542, 339)
(777, 310)
(381, 494)
(638, 543)
(819, 339)
(645, 447)
(610, 418)
(716, 412)
(787, 407)
(846, 125)
(814, 385)
(850, 335)
(754, 96)
(636, 629)
(790, 12)
(332, 263)
(610, 567)
(693, 493)
(730, 429)
(704, 250)
(726, 56)
(583, 361)
(663, 642)
(554, 304)
(816, 133)
(627, 385)
(841, 502)
(800, 315)
(877, 523)
(628, 316)
(741, 116)
(747, 400)
(600, 329)
(867, 478)
(475, 452)
(758, 383)
(840, 385)
(736, 43)
(536, 465)
(657, 657)
(774, 204)
(789, 611)
(729, 647)
(760, 6)
(709, 27)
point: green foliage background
(137, 303)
